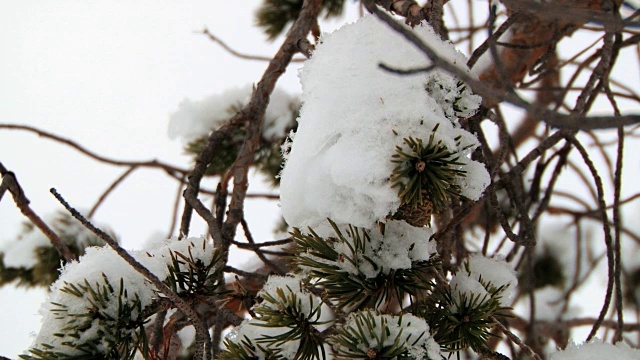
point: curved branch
(109, 190)
(237, 54)
(51, 136)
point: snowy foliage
(289, 316)
(493, 275)
(31, 259)
(453, 96)
(194, 119)
(370, 335)
(360, 268)
(23, 253)
(97, 304)
(398, 248)
(355, 114)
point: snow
(399, 247)
(597, 350)
(410, 329)
(290, 285)
(102, 266)
(354, 115)
(454, 98)
(480, 276)
(251, 331)
(464, 285)
(22, 253)
(195, 119)
(496, 272)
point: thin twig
(42, 133)
(477, 53)
(515, 339)
(176, 206)
(238, 54)
(606, 229)
(246, 274)
(277, 269)
(262, 244)
(109, 190)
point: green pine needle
(274, 16)
(366, 335)
(463, 321)
(426, 172)
(196, 279)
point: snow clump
(483, 277)
(354, 114)
(401, 246)
(370, 333)
(87, 298)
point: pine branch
(203, 341)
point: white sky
(107, 74)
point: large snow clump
(354, 114)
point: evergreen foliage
(98, 331)
(463, 319)
(45, 269)
(189, 276)
(285, 310)
(370, 335)
(274, 16)
(103, 321)
(267, 158)
(288, 314)
(378, 291)
(342, 275)
(426, 172)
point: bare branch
(109, 190)
(148, 164)
(237, 54)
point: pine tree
(408, 235)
